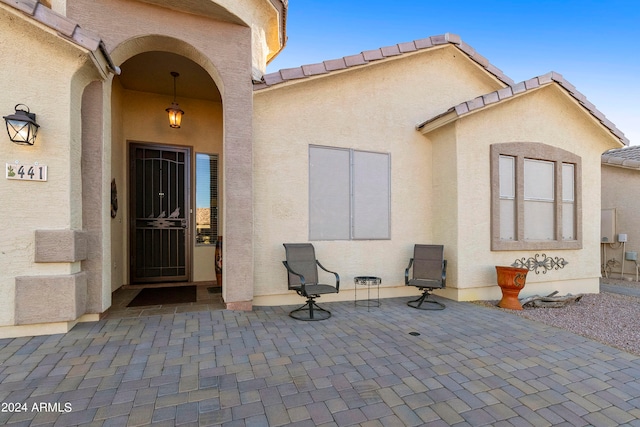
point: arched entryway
(140, 133)
(170, 188)
(172, 172)
(135, 114)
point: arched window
(536, 197)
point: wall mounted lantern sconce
(175, 113)
(21, 126)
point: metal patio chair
(302, 271)
(429, 273)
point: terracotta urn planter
(511, 281)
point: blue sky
(595, 45)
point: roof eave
(293, 75)
(620, 163)
(444, 119)
(67, 30)
(528, 86)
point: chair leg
(424, 298)
(310, 311)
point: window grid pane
(539, 221)
(568, 182)
(329, 198)
(539, 180)
(507, 177)
(568, 221)
(507, 172)
(508, 219)
(370, 195)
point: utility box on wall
(608, 226)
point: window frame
(543, 152)
(354, 188)
(213, 181)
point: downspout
(112, 67)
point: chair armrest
(286, 265)
(406, 272)
(332, 272)
(444, 273)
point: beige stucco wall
(547, 116)
(619, 192)
(57, 203)
(118, 170)
(373, 108)
(446, 201)
(263, 17)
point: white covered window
(349, 194)
(539, 200)
(535, 197)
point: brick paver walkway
(469, 366)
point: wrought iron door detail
(159, 209)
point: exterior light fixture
(21, 126)
(175, 113)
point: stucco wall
(445, 200)
(374, 108)
(263, 17)
(619, 192)
(547, 116)
(55, 204)
(118, 171)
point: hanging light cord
(174, 74)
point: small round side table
(367, 281)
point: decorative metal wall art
(540, 262)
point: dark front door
(159, 213)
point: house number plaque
(25, 172)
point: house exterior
(448, 120)
(620, 235)
(97, 75)
(364, 156)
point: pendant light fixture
(175, 113)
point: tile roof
(369, 56)
(520, 88)
(627, 157)
(65, 27)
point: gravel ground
(609, 318)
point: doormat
(215, 289)
(162, 296)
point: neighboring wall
(374, 108)
(620, 192)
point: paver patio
(469, 366)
